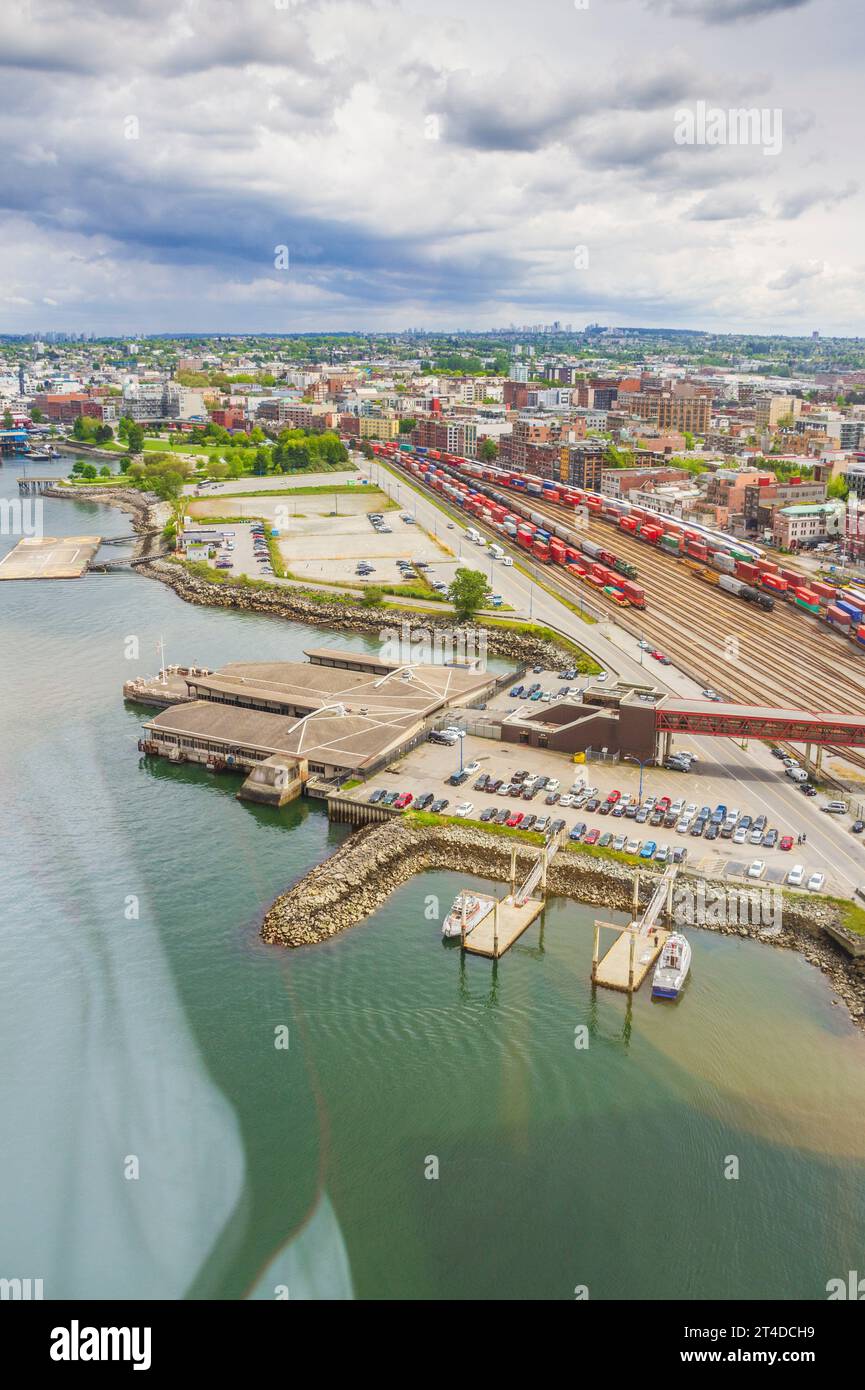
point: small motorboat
(671, 972)
(468, 908)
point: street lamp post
(630, 758)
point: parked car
(403, 800)
(471, 768)
(488, 813)
(592, 804)
(680, 854)
(542, 824)
(648, 850)
(464, 809)
(528, 822)
(390, 799)
(796, 876)
(592, 837)
(786, 842)
(378, 795)
(422, 802)
(632, 847)
(441, 805)
(662, 854)
(482, 784)
(757, 868)
(557, 827)
(501, 817)
(456, 779)
(770, 839)
(620, 842)
(606, 840)
(815, 883)
(514, 818)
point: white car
(464, 809)
(756, 837)
(452, 729)
(601, 678)
(796, 876)
(566, 800)
(472, 768)
(678, 807)
(633, 847)
(740, 835)
(757, 869)
(683, 826)
(815, 883)
(553, 784)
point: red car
(664, 660)
(591, 837)
(403, 800)
(664, 804)
(614, 797)
(785, 842)
(514, 819)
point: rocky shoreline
(292, 605)
(374, 861)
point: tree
(7, 419)
(36, 415)
(489, 451)
(134, 438)
(838, 487)
(407, 424)
(88, 471)
(468, 592)
(372, 596)
(124, 425)
(79, 430)
(105, 471)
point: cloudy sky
(457, 164)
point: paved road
(761, 785)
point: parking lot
(426, 769)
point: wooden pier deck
(502, 927)
(49, 557)
(613, 970)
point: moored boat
(468, 908)
(671, 972)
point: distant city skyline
(262, 166)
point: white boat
(671, 972)
(468, 907)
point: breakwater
(374, 861)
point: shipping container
(860, 636)
(541, 551)
(773, 582)
(634, 594)
(731, 585)
(745, 570)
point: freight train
(758, 580)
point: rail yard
(785, 657)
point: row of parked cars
(260, 548)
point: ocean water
(190, 1113)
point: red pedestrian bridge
(722, 720)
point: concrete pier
(49, 557)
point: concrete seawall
(374, 861)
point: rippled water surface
(159, 1140)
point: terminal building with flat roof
(340, 712)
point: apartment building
(622, 482)
(769, 411)
(681, 410)
(450, 436)
(795, 528)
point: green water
(157, 1143)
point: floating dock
(502, 927)
(629, 959)
(637, 946)
(49, 557)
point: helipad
(50, 557)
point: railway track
(755, 657)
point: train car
(626, 568)
(746, 571)
(837, 618)
(670, 544)
(723, 562)
(860, 636)
(773, 583)
(804, 598)
(633, 593)
(541, 551)
(651, 533)
(591, 549)
(696, 549)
